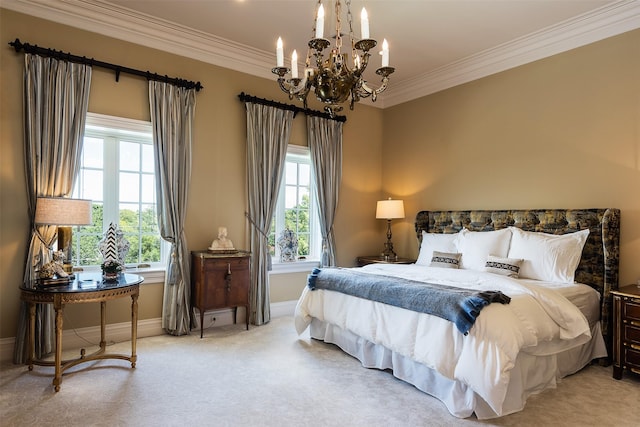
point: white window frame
(315, 237)
(99, 125)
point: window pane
(86, 239)
(129, 187)
(149, 219)
(150, 251)
(303, 244)
(96, 220)
(147, 158)
(88, 249)
(148, 189)
(129, 156)
(291, 197)
(303, 221)
(291, 173)
(92, 185)
(134, 249)
(305, 175)
(92, 156)
(303, 196)
(128, 219)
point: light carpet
(269, 376)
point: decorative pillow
(505, 266)
(548, 257)
(435, 242)
(476, 246)
(445, 259)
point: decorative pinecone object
(113, 246)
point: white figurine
(221, 243)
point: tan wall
(563, 132)
(560, 132)
(217, 194)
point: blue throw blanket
(460, 306)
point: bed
(555, 320)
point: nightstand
(220, 280)
(626, 330)
(377, 259)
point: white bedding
(538, 322)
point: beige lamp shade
(390, 209)
(63, 211)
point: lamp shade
(63, 211)
(390, 209)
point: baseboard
(118, 332)
(285, 308)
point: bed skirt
(530, 375)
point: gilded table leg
(57, 380)
(103, 322)
(31, 334)
(134, 328)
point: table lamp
(389, 209)
(63, 213)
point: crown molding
(607, 21)
(121, 23)
(134, 27)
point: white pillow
(509, 267)
(476, 246)
(445, 259)
(435, 242)
(548, 257)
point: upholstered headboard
(598, 266)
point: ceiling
(434, 44)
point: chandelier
(337, 77)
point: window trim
(300, 265)
(305, 266)
(134, 131)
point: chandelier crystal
(338, 77)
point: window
(117, 173)
(296, 209)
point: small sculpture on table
(222, 243)
(53, 272)
(114, 248)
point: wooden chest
(220, 280)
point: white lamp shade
(390, 209)
(63, 211)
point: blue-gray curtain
(172, 111)
(325, 144)
(56, 97)
(268, 131)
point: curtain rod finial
(16, 44)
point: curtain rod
(248, 98)
(46, 52)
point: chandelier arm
(365, 91)
(294, 87)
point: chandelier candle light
(331, 79)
